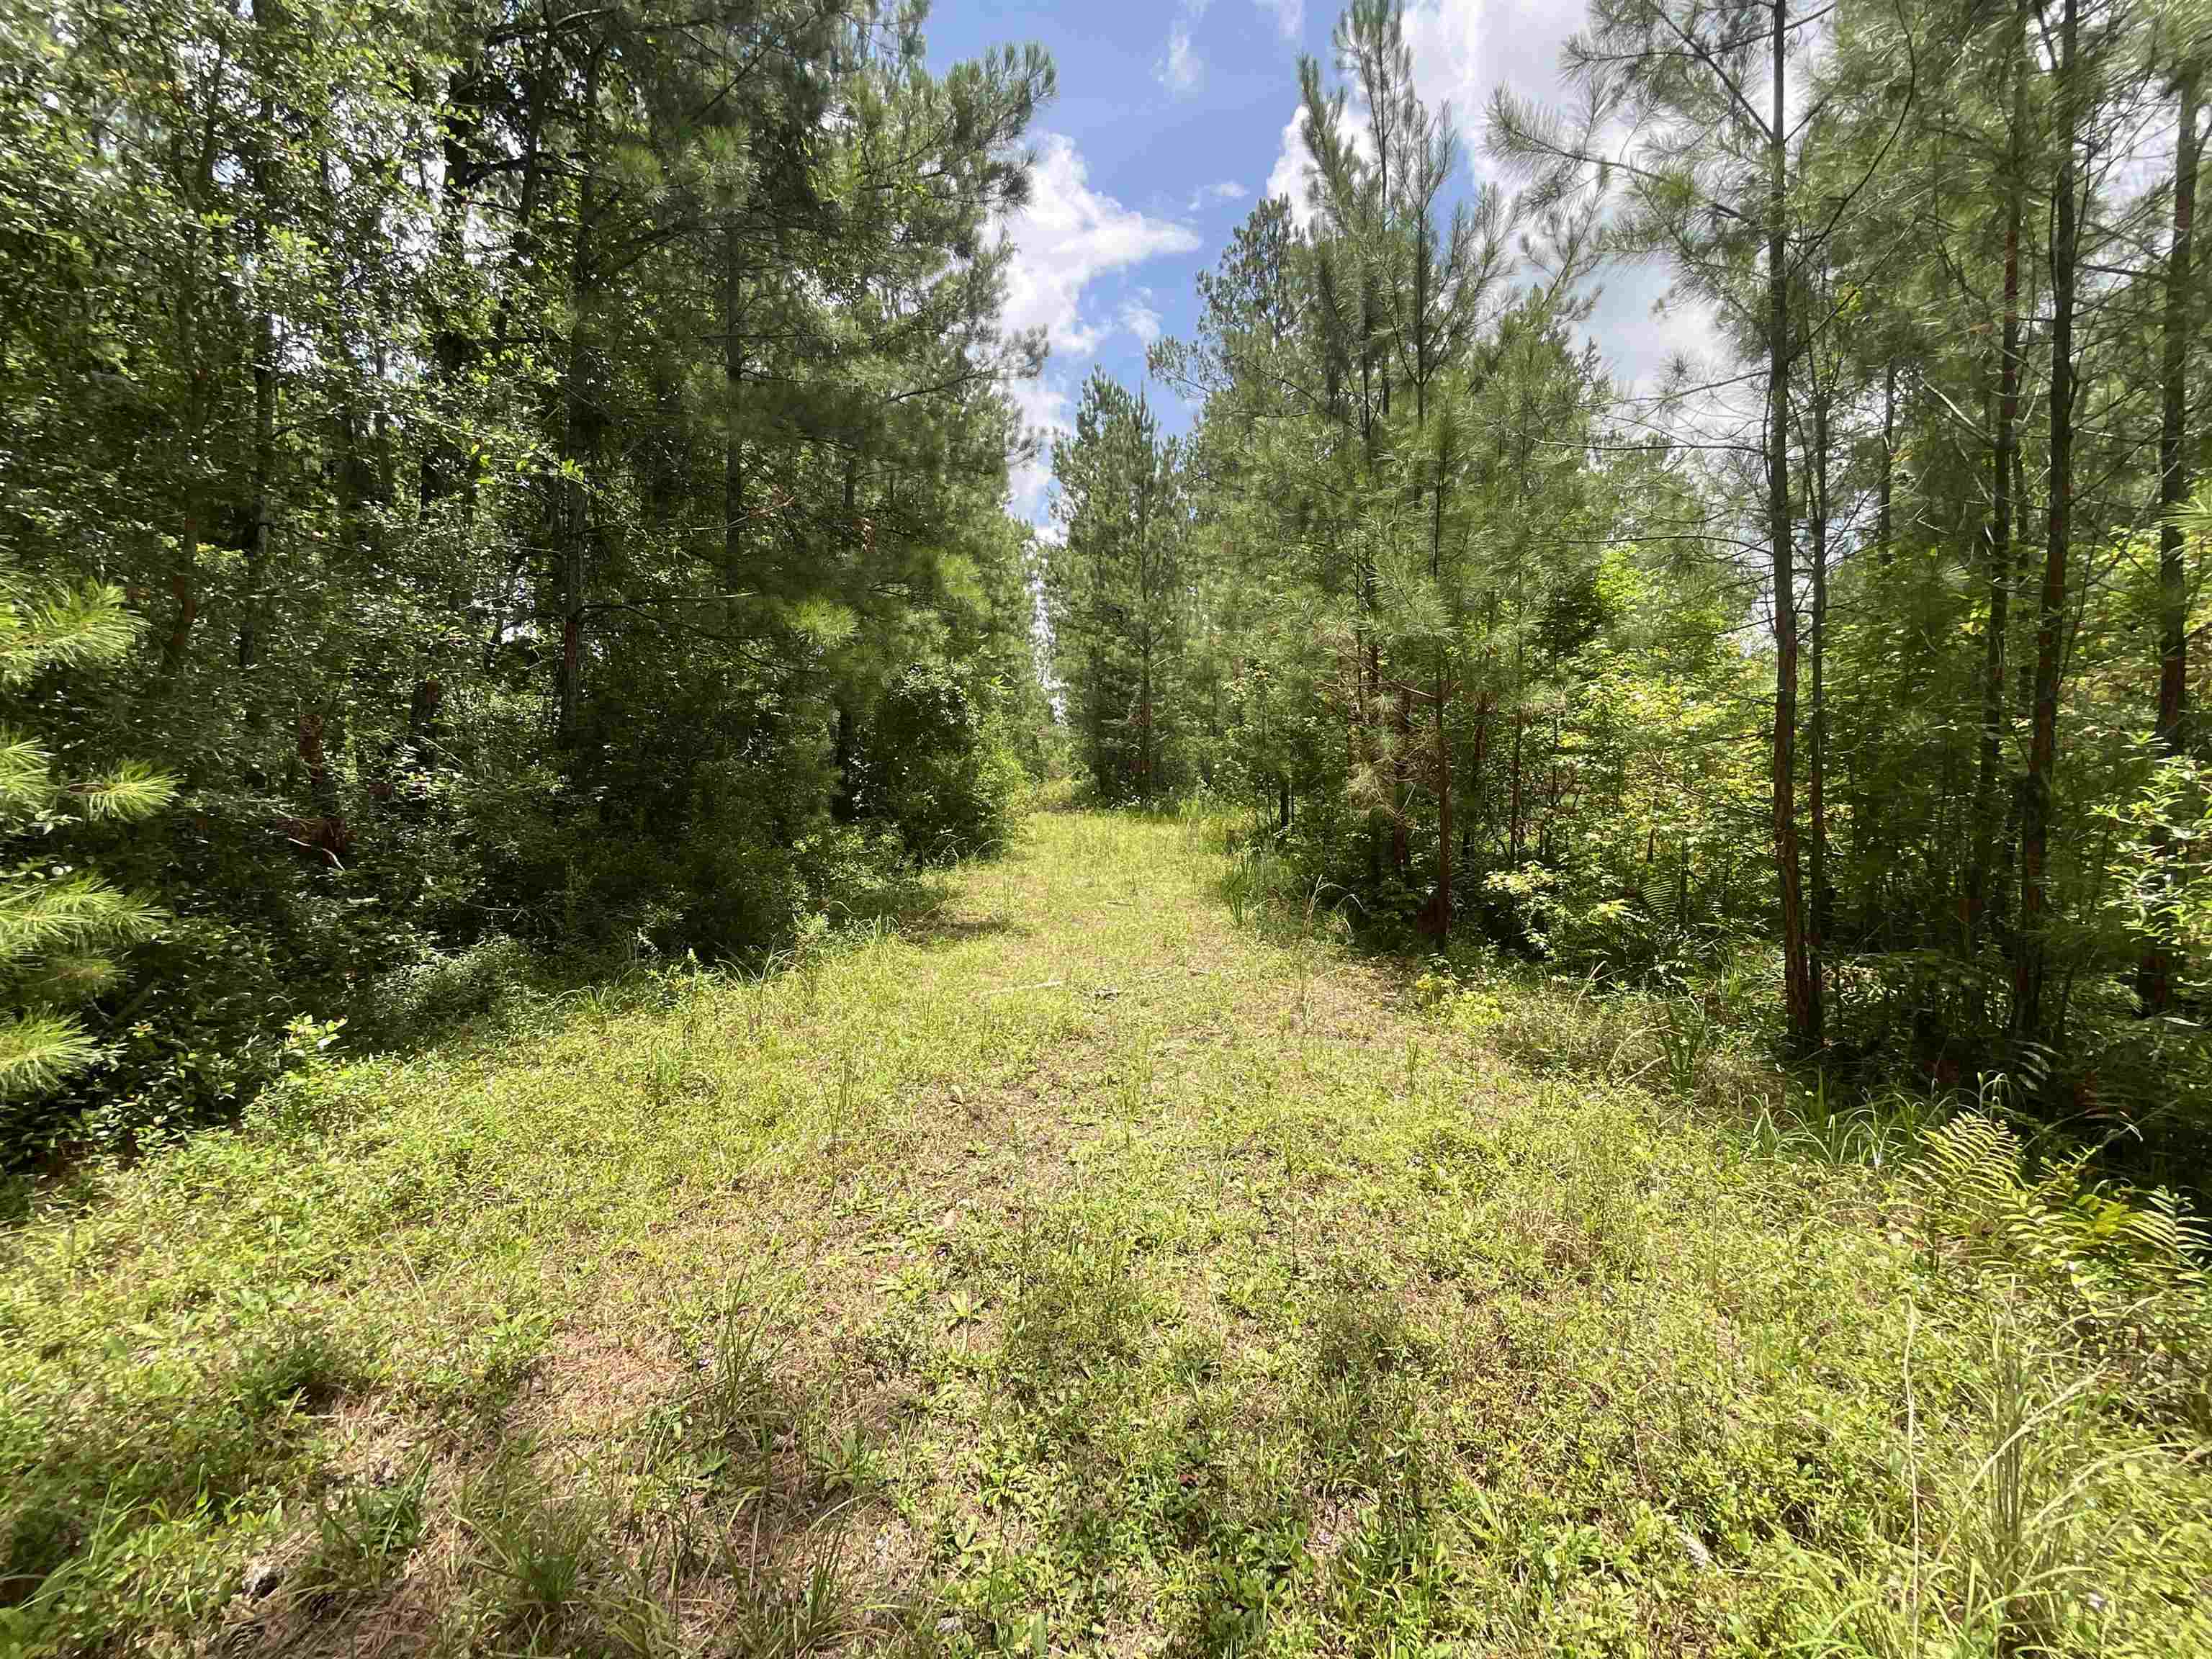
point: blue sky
(1173, 118)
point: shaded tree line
(523, 466)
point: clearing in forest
(1076, 1270)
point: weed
(786, 1611)
(303, 1362)
(546, 1550)
(1077, 1305)
(363, 1535)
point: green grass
(1080, 1270)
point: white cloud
(1447, 37)
(1141, 319)
(1288, 177)
(1067, 237)
(1289, 16)
(1227, 191)
(1179, 69)
(1043, 404)
(1462, 49)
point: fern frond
(39, 1050)
(1968, 1182)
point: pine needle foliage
(58, 924)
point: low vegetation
(1076, 1268)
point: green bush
(934, 768)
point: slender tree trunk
(2030, 965)
(264, 369)
(1997, 542)
(524, 248)
(2172, 733)
(443, 468)
(1883, 524)
(1476, 756)
(322, 789)
(183, 574)
(183, 584)
(1443, 807)
(264, 469)
(1816, 780)
(580, 426)
(1513, 800)
(1372, 753)
(733, 378)
(1401, 732)
(1798, 1001)
(1145, 724)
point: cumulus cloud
(1463, 50)
(1043, 405)
(1067, 237)
(1288, 177)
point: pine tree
(59, 926)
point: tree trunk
(733, 376)
(2030, 964)
(1998, 541)
(2172, 732)
(1800, 1008)
(1145, 725)
(265, 372)
(1513, 799)
(1817, 769)
(1401, 793)
(578, 434)
(1444, 812)
(1883, 526)
(183, 574)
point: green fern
(2125, 1273)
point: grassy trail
(1074, 1271)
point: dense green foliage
(1867, 649)
(534, 438)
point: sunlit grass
(1073, 1269)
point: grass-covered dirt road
(1073, 1271)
